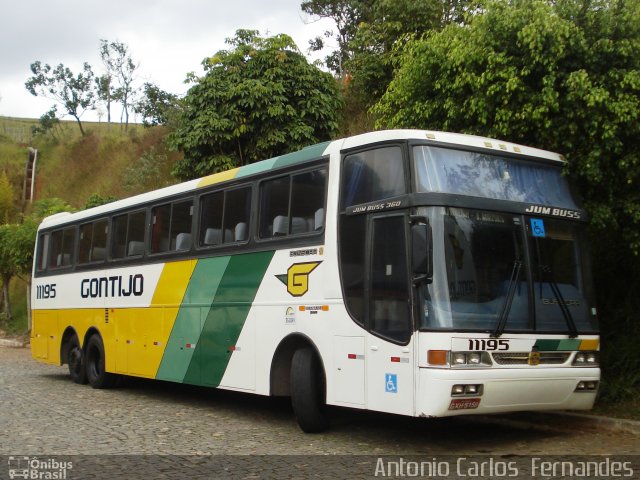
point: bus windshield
(446, 170)
(492, 268)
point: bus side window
(237, 209)
(135, 233)
(181, 215)
(211, 219)
(307, 201)
(61, 254)
(293, 204)
(43, 248)
(84, 249)
(160, 225)
(373, 175)
(93, 242)
(128, 235)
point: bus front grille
(522, 358)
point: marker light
(437, 357)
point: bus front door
(390, 362)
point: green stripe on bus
(308, 153)
(257, 167)
(231, 304)
(187, 328)
(557, 345)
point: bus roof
(307, 154)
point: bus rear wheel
(97, 375)
(308, 391)
(75, 360)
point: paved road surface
(44, 413)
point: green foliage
(561, 75)
(374, 44)
(95, 200)
(257, 100)
(6, 198)
(156, 106)
(149, 172)
(47, 207)
(74, 92)
(49, 124)
(564, 78)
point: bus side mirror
(422, 253)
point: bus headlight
(586, 359)
(470, 359)
(458, 358)
(446, 358)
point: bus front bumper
(504, 390)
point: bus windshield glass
(445, 170)
(492, 268)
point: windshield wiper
(506, 306)
(546, 271)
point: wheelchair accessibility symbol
(391, 383)
(537, 227)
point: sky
(167, 38)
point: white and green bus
(413, 272)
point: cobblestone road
(44, 413)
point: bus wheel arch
(280, 375)
(94, 360)
(72, 354)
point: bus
(412, 272)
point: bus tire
(308, 391)
(97, 375)
(75, 360)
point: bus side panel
(44, 322)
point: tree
(74, 92)
(95, 200)
(258, 100)
(49, 124)
(7, 267)
(156, 106)
(105, 92)
(119, 64)
(347, 15)
(561, 75)
(17, 243)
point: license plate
(464, 403)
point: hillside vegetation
(108, 161)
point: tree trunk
(79, 125)
(6, 308)
(29, 321)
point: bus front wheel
(97, 375)
(75, 360)
(308, 391)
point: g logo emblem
(297, 278)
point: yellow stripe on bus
(218, 177)
(150, 328)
